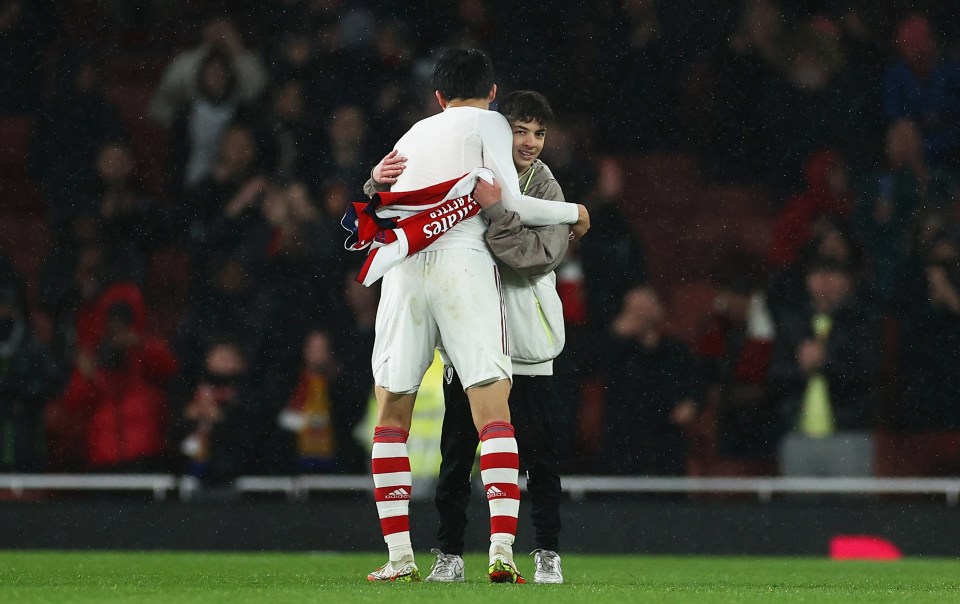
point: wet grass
(188, 577)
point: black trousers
(530, 402)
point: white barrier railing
(765, 488)
(160, 484)
(298, 487)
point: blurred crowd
(195, 311)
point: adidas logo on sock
(493, 492)
(400, 493)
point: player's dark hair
(463, 73)
(527, 106)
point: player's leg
(468, 307)
(458, 449)
(499, 469)
(531, 409)
(403, 350)
(390, 464)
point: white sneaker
(447, 568)
(404, 571)
(547, 564)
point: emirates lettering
(446, 221)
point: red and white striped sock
(499, 469)
(392, 487)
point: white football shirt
(457, 140)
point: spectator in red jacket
(118, 384)
(828, 194)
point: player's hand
(583, 223)
(487, 194)
(389, 168)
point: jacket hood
(127, 294)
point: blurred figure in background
(823, 372)
(734, 352)
(68, 135)
(616, 262)
(833, 240)
(892, 200)
(181, 81)
(26, 383)
(922, 85)
(77, 269)
(224, 421)
(346, 152)
(227, 304)
(311, 412)
(828, 194)
(652, 391)
(290, 137)
(129, 220)
(352, 332)
(119, 385)
(235, 183)
(197, 132)
(929, 316)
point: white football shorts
(450, 296)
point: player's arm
(532, 252)
(487, 194)
(497, 142)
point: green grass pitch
(188, 577)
